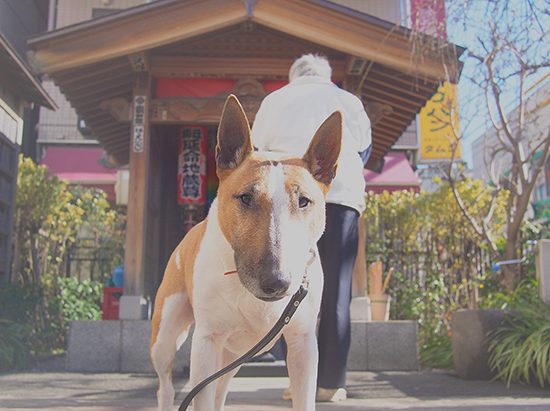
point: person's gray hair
(310, 65)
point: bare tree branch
(508, 50)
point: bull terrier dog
(233, 273)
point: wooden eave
(198, 38)
(16, 76)
(164, 22)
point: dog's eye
(303, 202)
(246, 199)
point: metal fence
(457, 256)
(86, 261)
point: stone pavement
(414, 391)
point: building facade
(64, 127)
(63, 130)
(489, 163)
(19, 88)
(21, 96)
(146, 77)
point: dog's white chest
(234, 316)
(223, 308)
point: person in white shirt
(286, 122)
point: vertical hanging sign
(438, 122)
(139, 123)
(192, 165)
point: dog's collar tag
(230, 268)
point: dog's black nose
(274, 286)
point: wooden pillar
(133, 305)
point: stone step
(263, 369)
(256, 370)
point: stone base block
(94, 346)
(383, 346)
(123, 346)
(115, 346)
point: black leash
(287, 314)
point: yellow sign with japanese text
(438, 123)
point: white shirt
(289, 117)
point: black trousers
(337, 251)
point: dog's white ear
(234, 141)
(324, 149)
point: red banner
(192, 165)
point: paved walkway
(413, 391)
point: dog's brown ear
(324, 149)
(234, 141)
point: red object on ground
(111, 302)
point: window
(10, 123)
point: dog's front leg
(301, 362)
(223, 382)
(206, 359)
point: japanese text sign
(192, 165)
(438, 122)
(139, 123)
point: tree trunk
(18, 242)
(35, 263)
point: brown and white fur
(265, 223)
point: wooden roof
(16, 76)
(252, 39)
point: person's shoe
(331, 394)
(323, 394)
(287, 394)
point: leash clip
(293, 304)
(305, 280)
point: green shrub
(18, 302)
(52, 223)
(520, 350)
(411, 301)
(439, 262)
(22, 331)
(436, 351)
(14, 352)
(74, 300)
